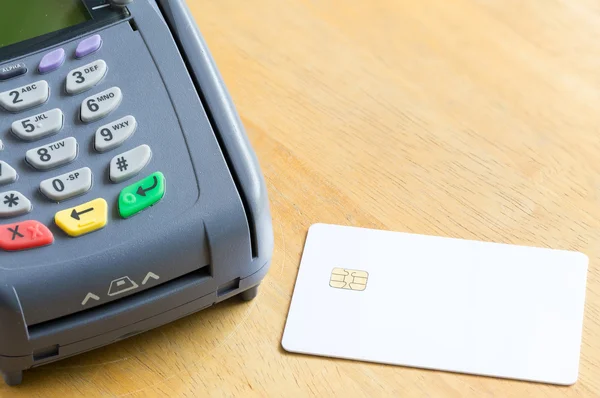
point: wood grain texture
(465, 118)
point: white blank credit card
(439, 303)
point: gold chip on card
(351, 279)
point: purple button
(52, 61)
(88, 46)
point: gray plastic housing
(208, 239)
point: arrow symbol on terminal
(75, 214)
(90, 296)
(148, 276)
(142, 192)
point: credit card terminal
(129, 193)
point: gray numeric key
(39, 126)
(25, 97)
(99, 105)
(85, 77)
(52, 155)
(7, 173)
(67, 185)
(114, 134)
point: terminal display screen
(21, 20)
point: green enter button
(142, 194)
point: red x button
(24, 235)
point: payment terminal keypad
(45, 116)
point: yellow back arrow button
(83, 219)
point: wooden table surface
(470, 119)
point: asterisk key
(11, 200)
